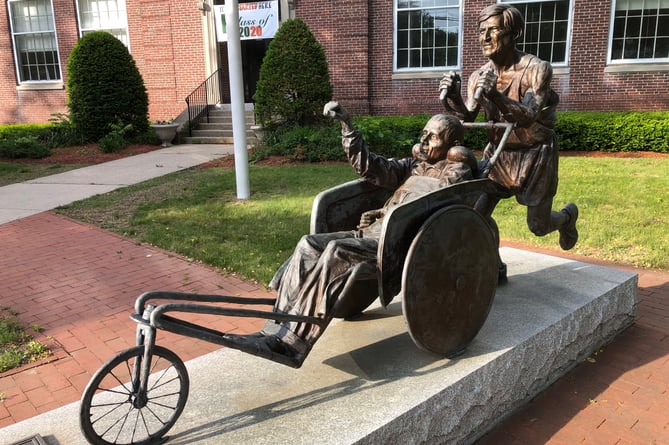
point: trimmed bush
(614, 131)
(62, 132)
(24, 147)
(24, 141)
(393, 136)
(294, 81)
(115, 140)
(105, 87)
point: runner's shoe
(568, 232)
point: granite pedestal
(365, 381)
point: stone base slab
(365, 381)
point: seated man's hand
(370, 216)
(336, 111)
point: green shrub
(294, 81)
(115, 140)
(613, 131)
(104, 87)
(307, 143)
(393, 136)
(23, 147)
(62, 132)
(390, 136)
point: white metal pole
(237, 99)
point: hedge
(614, 132)
(393, 136)
(25, 141)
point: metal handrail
(207, 94)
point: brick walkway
(79, 284)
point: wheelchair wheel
(449, 280)
(116, 412)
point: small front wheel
(114, 411)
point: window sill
(636, 67)
(414, 75)
(559, 70)
(39, 86)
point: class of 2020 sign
(258, 20)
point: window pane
(104, 15)
(639, 30)
(545, 51)
(560, 51)
(617, 49)
(402, 20)
(662, 48)
(646, 48)
(452, 39)
(546, 25)
(562, 11)
(402, 58)
(402, 39)
(428, 30)
(35, 48)
(440, 57)
(414, 58)
(441, 38)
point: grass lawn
(17, 347)
(622, 202)
(13, 172)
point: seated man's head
(440, 133)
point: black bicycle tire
(85, 422)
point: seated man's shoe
(267, 346)
(568, 233)
(501, 274)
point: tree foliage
(294, 82)
(105, 87)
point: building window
(640, 31)
(34, 37)
(427, 35)
(103, 15)
(546, 29)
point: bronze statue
(516, 87)
(311, 281)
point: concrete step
(218, 128)
(195, 139)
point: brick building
(385, 56)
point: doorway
(253, 52)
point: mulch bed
(85, 154)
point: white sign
(258, 20)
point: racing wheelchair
(439, 253)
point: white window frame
(431, 69)
(570, 22)
(17, 63)
(623, 61)
(121, 6)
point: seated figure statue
(312, 280)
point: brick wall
(588, 86)
(167, 45)
(584, 86)
(165, 41)
(21, 106)
(342, 27)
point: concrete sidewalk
(79, 283)
(38, 195)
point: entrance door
(253, 52)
